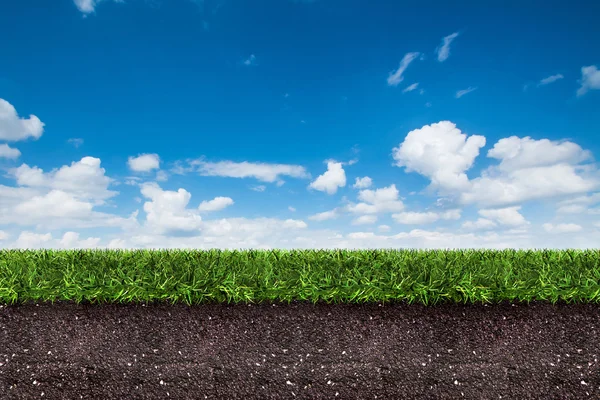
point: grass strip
(332, 276)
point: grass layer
(341, 276)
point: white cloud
(30, 240)
(261, 171)
(4, 235)
(571, 209)
(258, 188)
(396, 77)
(562, 228)
(440, 152)
(443, 51)
(167, 211)
(362, 183)
(480, 224)
(550, 79)
(461, 93)
(331, 180)
(365, 220)
(384, 228)
(162, 176)
(292, 209)
(323, 216)
(410, 88)
(527, 184)
(70, 240)
(89, 6)
(144, 162)
(578, 204)
(505, 216)
(425, 217)
(76, 142)
(518, 153)
(532, 169)
(13, 128)
(250, 60)
(56, 203)
(84, 179)
(528, 170)
(377, 201)
(8, 152)
(590, 79)
(216, 204)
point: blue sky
(299, 124)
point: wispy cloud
(258, 188)
(443, 51)
(461, 93)
(590, 79)
(261, 171)
(396, 77)
(411, 87)
(251, 61)
(550, 79)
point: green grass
(341, 276)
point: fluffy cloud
(384, 228)
(377, 201)
(480, 224)
(528, 169)
(362, 183)
(8, 152)
(13, 128)
(527, 184)
(365, 220)
(56, 203)
(518, 153)
(590, 79)
(216, 204)
(70, 240)
(443, 51)
(30, 240)
(84, 179)
(440, 152)
(505, 216)
(415, 218)
(396, 77)
(562, 228)
(331, 180)
(166, 212)
(144, 162)
(461, 93)
(261, 171)
(578, 204)
(323, 216)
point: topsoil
(300, 351)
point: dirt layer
(300, 351)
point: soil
(300, 351)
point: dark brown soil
(300, 351)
